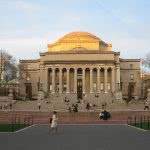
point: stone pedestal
(10, 96)
(118, 95)
(40, 95)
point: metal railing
(142, 122)
(18, 121)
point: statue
(10, 95)
(148, 96)
(40, 95)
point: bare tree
(146, 61)
(22, 72)
(8, 67)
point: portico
(65, 79)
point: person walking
(54, 122)
(39, 105)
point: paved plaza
(77, 137)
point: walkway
(77, 137)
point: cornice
(78, 52)
(130, 60)
(29, 60)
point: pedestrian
(10, 105)
(146, 105)
(54, 122)
(39, 105)
(88, 106)
(69, 109)
(75, 108)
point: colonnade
(98, 79)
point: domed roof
(77, 42)
(79, 36)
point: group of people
(73, 108)
(66, 100)
(6, 106)
(104, 115)
(89, 106)
(54, 119)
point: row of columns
(83, 80)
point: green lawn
(144, 125)
(11, 128)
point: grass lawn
(144, 125)
(11, 128)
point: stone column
(105, 80)
(118, 77)
(45, 80)
(98, 80)
(41, 78)
(60, 80)
(75, 80)
(53, 80)
(68, 89)
(83, 79)
(91, 80)
(112, 80)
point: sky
(27, 26)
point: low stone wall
(66, 117)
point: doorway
(79, 88)
(131, 90)
(28, 90)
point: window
(65, 87)
(27, 66)
(28, 78)
(132, 76)
(131, 66)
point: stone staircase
(57, 101)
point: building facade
(80, 63)
(145, 85)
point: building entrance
(79, 88)
(131, 90)
(28, 90)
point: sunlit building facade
(77, 64)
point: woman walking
(54, 122)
